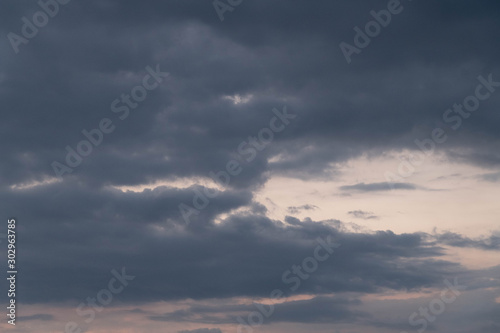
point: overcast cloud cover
(254, 141)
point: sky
(241, 166)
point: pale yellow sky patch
(449, 196)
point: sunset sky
(241, 166)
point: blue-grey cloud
(377, 187)
(362, 214)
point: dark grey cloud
(277, 53)
(85, 244)
(390, 95)
(40, 316)
(485, 243)
(349, 309)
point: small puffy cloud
(362, 215)
(298, 209)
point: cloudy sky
(247, 166)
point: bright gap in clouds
(447, 196)
(180, 183)
(238, 99)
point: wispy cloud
(362, 215)
(298, 209)
(378, 187)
